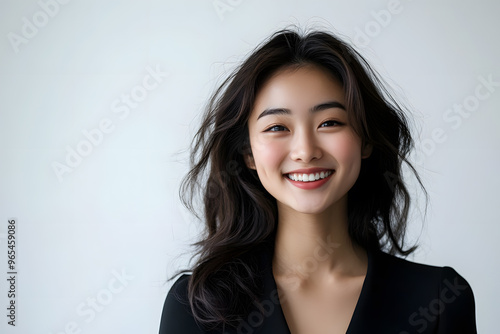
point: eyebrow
(285, 111)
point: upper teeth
(309, 177)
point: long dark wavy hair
(241, 216)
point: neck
(311, 247)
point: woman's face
(305, 152)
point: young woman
(298, 163)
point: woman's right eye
(275, 128)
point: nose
(304, 147)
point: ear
(366, 151)
(249, 161)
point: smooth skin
(299, 123)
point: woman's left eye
(330, 123)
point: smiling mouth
(309, 177)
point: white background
(117, 212)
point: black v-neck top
(397, 297)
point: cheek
(347, 150)
(267, 155)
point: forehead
(298, 88)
